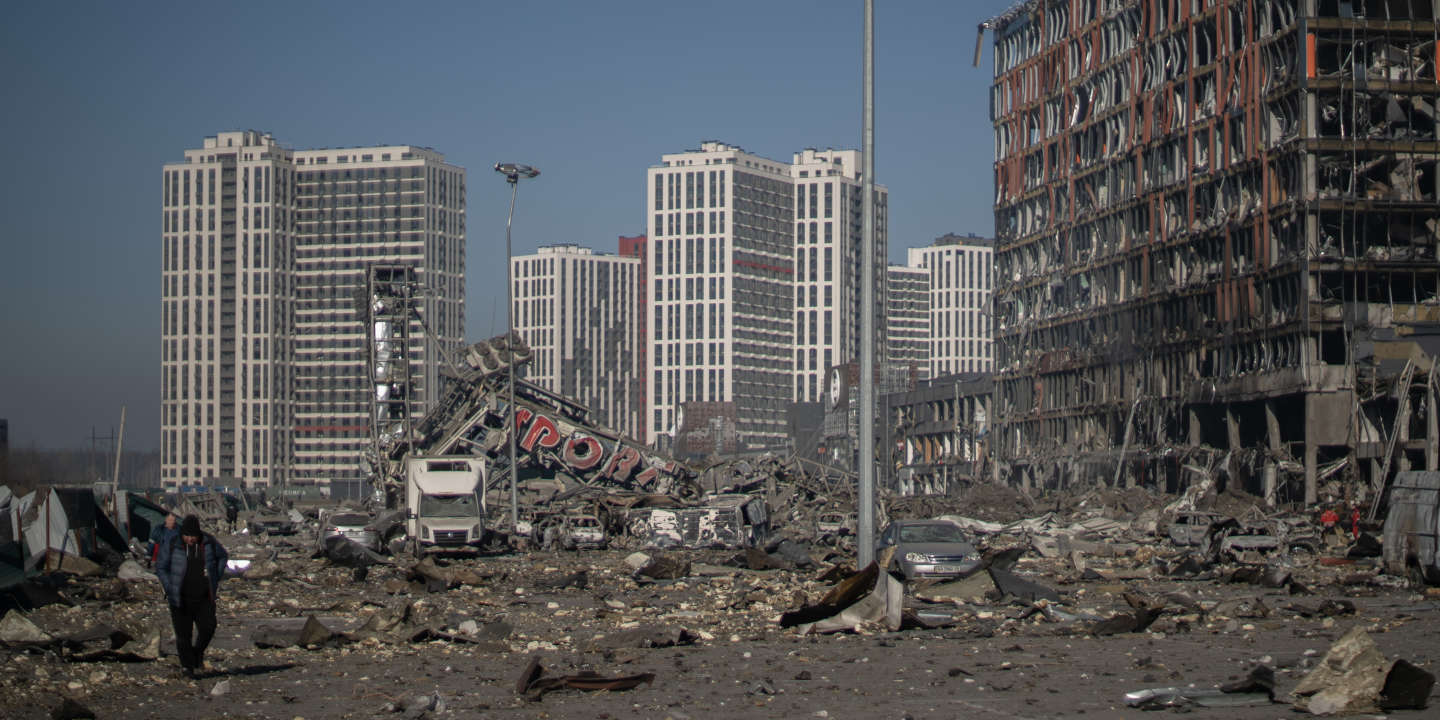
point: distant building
(721, 290)
(907, 321)
(639, 247)
(961, 281)
(357, 207)
(265, 253)
(829, 202)
(576, 309)
(940, 434)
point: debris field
(1085, 605)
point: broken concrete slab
(312, 634)
(665, 567)
(1354, 676)
(16, 629)
(63, 562)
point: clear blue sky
(98, 96)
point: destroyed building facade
(1216, 228)
(938, 434)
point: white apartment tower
(720, 223)
(829, 200)
(357, 207)
(907, 324)
(578, 310)
(227, 320)
(961, 281)
(297, 233)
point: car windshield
(930, 534)
(449, 506)
(349, 520)
(585, 522)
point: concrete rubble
(1060, 573)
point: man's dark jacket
(172, 560)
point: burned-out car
(1256, 534)
(583, 532)
(929, 548)
(835, 523)
(277, 523)
(353, 526)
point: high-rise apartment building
(1215, 239)
(639, 247)
(266, 253)
(576, 310)
(357, 207)
(721, 289)
(227, 313)
(829, 199)
(961, 270)
(907, 321)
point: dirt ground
(990, 659)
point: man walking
(190, 568)
(162, 535)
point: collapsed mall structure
(1216, 226)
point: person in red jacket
(1329, 518)
(1355, 522)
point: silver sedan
(929, 548)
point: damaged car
(929, 548)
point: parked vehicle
(445, 503)
(928, 548)
(278, 523)
(355, 526)
(583, 532)
(835, 523)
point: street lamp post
(513, 172)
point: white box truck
(445, 503)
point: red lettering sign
(583, 452)
(542, 430)
(622, 463)
(522, 416)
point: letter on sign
(583, 452)
(543, 431)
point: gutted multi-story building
(829, 199)
(266, 259)
(907, 321)
(961, 337)
(577, 311)
(1216, 227)
(721, 289)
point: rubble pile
(1091, 570)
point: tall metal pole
(514, 181)
(512, 172)
(865, 547)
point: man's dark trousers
(199, 615)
